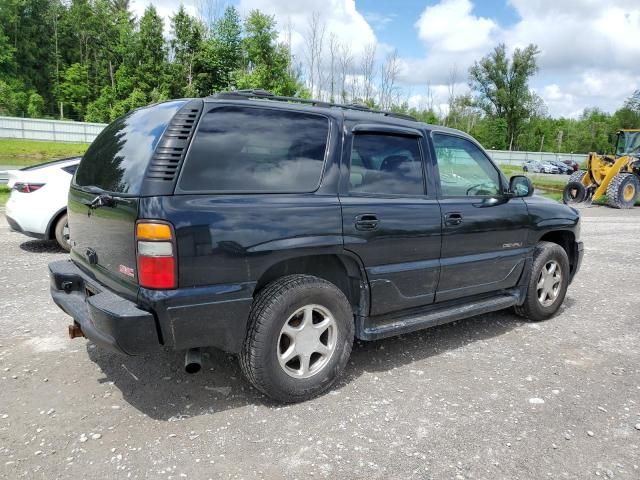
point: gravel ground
(490, 397)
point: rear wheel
(62, 233)
(548, 282)
(299, 338)
(622, 191)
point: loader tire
(622, 191)
(577, 176)
(574, 192)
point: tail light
(157, 266)
(27, 187)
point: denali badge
(126, 270)
(512, 245)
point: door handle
(367, 221)
(453, 218)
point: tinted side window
(117, 159)
(464, 169)
(244, 149)
(386, 164)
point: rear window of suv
(251, 149)
(117, 159)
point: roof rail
(264, 94)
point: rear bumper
(105, 318)
(212, 316)
(15, 227)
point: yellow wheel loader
(615, 178)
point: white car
(37, 206)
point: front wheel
(548, 282)
(299, 338)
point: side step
(374, 329)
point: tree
(151, 52)
(7, 56)
(187, 33)
(502, 85)
(266, 61)
(367, 67)
(74, 89)
(35, 108)
(221, 55)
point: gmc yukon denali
(280, 229)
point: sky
(590, 49)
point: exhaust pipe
(75, 331)
(193, 360)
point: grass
(30, 152)
(4, 194)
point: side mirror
(520, 186)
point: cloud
(589, 48)
(379, 21)
(339, 16)
(450, 26)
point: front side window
(386, 165)
(245, 149)
(464, 168)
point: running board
(374, 329)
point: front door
(390, 220)
(484, 233)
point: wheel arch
(567, 240)
(49, 232)
(344, 271)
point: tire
(533, 308)
(274, 310)
(577, 176)
(622, 191)
(525, 169)
(62, 233)
(574, 192)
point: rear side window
(386, 165)
(245, 149)
(117, 159)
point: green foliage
(74, 89)
(221, 54)
(502, 86)
(266, 62)
(35, 108)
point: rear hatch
(132, 157)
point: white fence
(53, 130)
(65, 131)
(518, 158)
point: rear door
(484, 233)
(105, 194)
(390, 215)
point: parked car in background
(536, 166)
(280, 229)
(572, 164)
(563, 169)
(37, 206)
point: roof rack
(264, 94)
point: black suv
(279, 229)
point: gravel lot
(490, 397)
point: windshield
(628, 143)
